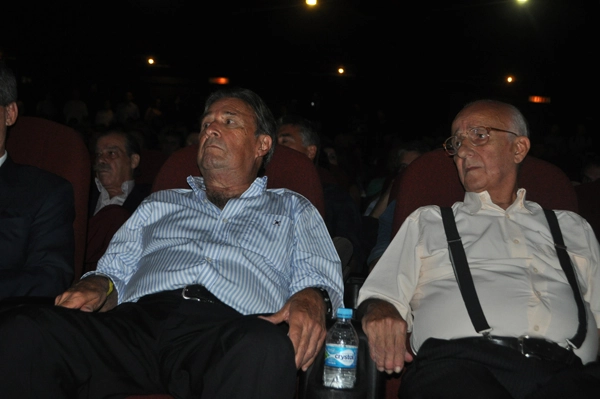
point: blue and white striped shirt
(253, 255)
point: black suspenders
(462, 272)
(467, 288)
(567, 266)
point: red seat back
(174, 171)
(432, 179)
(287, 169)
(150, 163)
(61, 150)
(295, 171)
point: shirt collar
(258, 186)
(126, 187)
(3, 157)
(474, 202)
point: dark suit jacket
(36, 232)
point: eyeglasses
(478, 135)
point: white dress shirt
(104, 199)
(516, 272)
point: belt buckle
(525, 347)
(543, 349)
(184, 294)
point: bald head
(500, 113)
(492, 164)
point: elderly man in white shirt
(529, 347)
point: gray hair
(308, 130)
(8, 85)
(265, 122)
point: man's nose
(465, 148)
(212, 129)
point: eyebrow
(228, 113)
(468, 128)
(458, 130)
(112, 147)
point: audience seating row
(430, 179)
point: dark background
(416, 63)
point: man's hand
(305, 314)
(88, 295)
(386, 331)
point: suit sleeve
(49, 262)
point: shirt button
(538, 294)
(516, 241)
(507, 216)
(535, 270)
(536, 328)
(225, 220)
(208, 259)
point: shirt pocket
(436, 266)
(545, 255)
(583, 272)
(270, 236)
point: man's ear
(265, 143)
(135, 160)
(12, 112)
(311, 151)
(521, 145)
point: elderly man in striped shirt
(217, 291)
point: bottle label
(342, 356)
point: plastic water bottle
(341, 351)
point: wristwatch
(327, 301)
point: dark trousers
(465, 368)
(162, 344)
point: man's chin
(472, 185)
(210, 162)
(104, 178)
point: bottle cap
(344, 313)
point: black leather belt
(199, 293)
(536, 348)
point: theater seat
(150, 163)
(293, 170)
(61, 150)
(432, 179)
(287, 169)
(175, 170)
(101, 228)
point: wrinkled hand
(88, 295)
(305, 314)
(386, 331)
